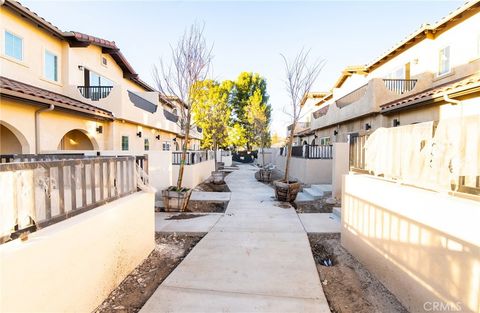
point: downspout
(37, 123)
(450, 100)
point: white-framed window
(444, 61)
(51, 66)
(166, 146)
(324, 141)
(13, 46)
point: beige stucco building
(70, 91)
(411, 83)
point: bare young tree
(300, 76)
(190, 63)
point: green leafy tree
(212, 112)
(236, 136)
(258, 117)
(249, 89)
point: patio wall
(307, 171)
(422, 245)
(73, 265)
(194, 174)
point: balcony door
(95, 85)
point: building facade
(414, 82)
(71, 91)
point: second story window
(444, 61)
(125, 143)
(51, 66)
(13, 46)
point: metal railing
(313, 152)
(95, 93)
(51, 191)
(357, 152)
(192, 157)
(400, 86)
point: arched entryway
(76, 139)
(11, 140)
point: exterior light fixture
(139, 134)
(80, 67)
(157, 137)
(315, 136)
(99, 129)
(368, 126)
(396, 122)
(335, 132)
(174, 139)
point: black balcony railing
(192, 157)
(400, 86)
(95, 93)
(313, 152)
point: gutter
(37, 123)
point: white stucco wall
(307, 171)
(73, 265)
(422, 245)
(340, 167)
(194, 174)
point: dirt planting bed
(206, 206)
(348, 286)
(317, 206)
(134, 291)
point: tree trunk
(289, 151)
(263, 156)
(184, 155)
(215, 154)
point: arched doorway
(12, 141)
(76, 140)
(9, 143)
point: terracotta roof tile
(63, 101)
(435, 92)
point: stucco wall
(160, 171)
(307, 171)
(194, 174)
(340, 167)
(73, 265)
(422, 245)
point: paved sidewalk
(255, 259)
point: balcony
(95, 93)
(400, 86)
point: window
(444, 61)
(166, 146)
(51, 66)
(13, 46)
(94, 79)
(125, 143)
(324, 141)
(104, 61)
(146, 144)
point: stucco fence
(163, 173)
(422, 245)
(72, 266)
(318, 171)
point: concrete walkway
(255, 259)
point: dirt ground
(348, 286)
(316, 206)
(134, 291)
(206, 206)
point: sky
(250, 35)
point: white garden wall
(422, 245)
(194, 174)
(72, 266)
(307, 171)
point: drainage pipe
(450, 100)
(37, 124)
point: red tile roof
(40, 95)
(458, 85)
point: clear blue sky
(249, 36)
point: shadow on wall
(418, 263)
